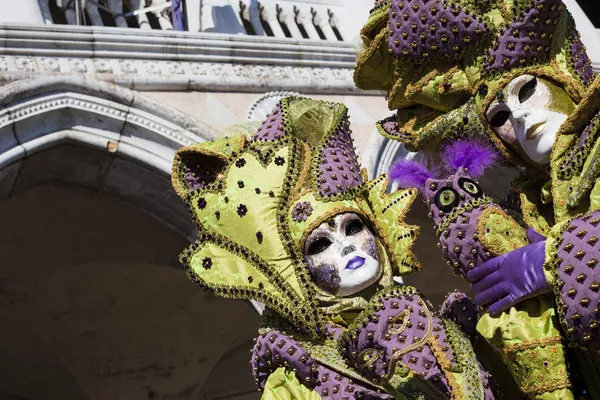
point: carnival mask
(530, 110)
(342, 255)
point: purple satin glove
(510, 278)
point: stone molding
(262, 107)
(40, 114)
(147, 60)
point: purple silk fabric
(273, 350)
(426, 29)
(579, 278)
(528, 40)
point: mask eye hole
(470, 187)
(354, 227)
(446, 199)
(527, 90)
(318, 245)
(500, 118)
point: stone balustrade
(314, 20)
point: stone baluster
(335, 21)
(45, 10)
(268, 13)
(142, 18)
(305, 18)
(286, 15)
(252, 14)
(69, 10)
(116, 6)
(163, 20)
(93, 13)
(323, 23)
(193, 15)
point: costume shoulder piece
(443, 62)
(254, 201)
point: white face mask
(342, 255)
(531, 112)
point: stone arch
(97, 135)
(111, 141)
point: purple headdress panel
(474, 155)
(429, 29)
(274, 126)
(338, 168)
(528, 40)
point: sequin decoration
(429, 29)
(526, 41)
(273, 127)
(302, 211)
(338, 163)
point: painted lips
(535, 130)
(355, 263)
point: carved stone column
(269, 14)
(116, 6)
(287, 15)
(252, 13)
(322, 21)
(305, 18)
(45, 10)
(93, 13)
(334, 21)
(193, 15)
(163, 20)
(142, 19)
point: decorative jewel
(218, 215)
(302, 211)
(206, 263)
(240, 184)
(257, 190)
(242, 210)
(279, 161)
(259, 237)
(201, 203)
(331, 223)
(483, 89)
(240, 163)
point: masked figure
(515, 73)
(288, 218)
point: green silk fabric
(283, 385)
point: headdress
(255, 200)
(442, 62)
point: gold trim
(532, 344)
(439, 354)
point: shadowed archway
(93, 303)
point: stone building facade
(95, 97)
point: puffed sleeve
(459, 308)
(573, 254)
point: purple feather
(475, 155)
(410, 174)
